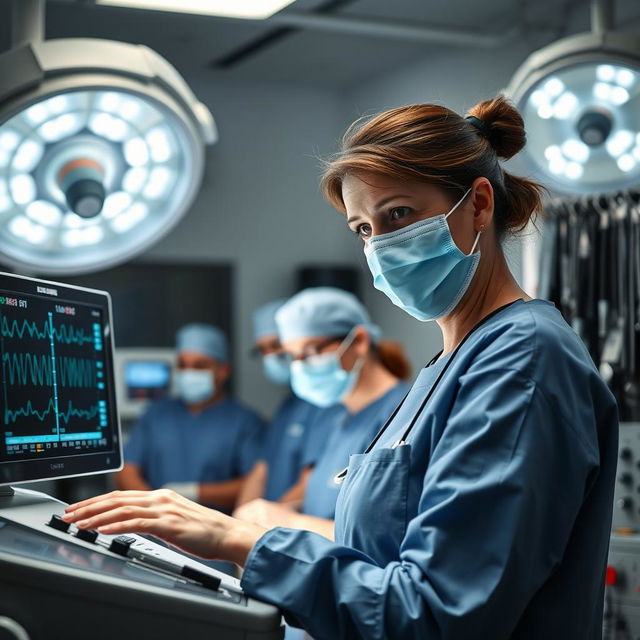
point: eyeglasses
(316, 349)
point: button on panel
(56, 522)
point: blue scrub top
(284, 444)
(343, 434)
(492, 521)
(170, 444)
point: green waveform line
(65, 416)
(65, 334)
(25, 368)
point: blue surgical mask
(195, 386)
(321, 380)
(277, 368)
(420, 268)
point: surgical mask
(420, 268)
(276, 367)
(321, 380)
(195, 386)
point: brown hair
(428, 142)
(393, 358)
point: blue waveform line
(11, 415)
(36, 369)
(65, 334)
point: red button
(612, 577)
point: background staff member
(281, 458)
(484, 508)
(338, 362)
(202, 443)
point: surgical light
(101, 149)
(580, 98)
(252, 9)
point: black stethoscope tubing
(340, 477)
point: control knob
(624, 503)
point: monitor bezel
(25, 471)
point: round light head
(580, 100)
(94, 168)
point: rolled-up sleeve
(505, 482)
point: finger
(104, 496)
(119, 514)
(134, 525)
(105, 505)
(154, 527)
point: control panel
(626, 511)
(622, 593)
(99, 586)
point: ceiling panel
(305, 56)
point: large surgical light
(580, 99)
(101, 149)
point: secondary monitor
(57, 401)
(142, 375)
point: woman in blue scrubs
(340, 365)
(483, 509)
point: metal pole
(601, 16)
(27, 21)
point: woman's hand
(171, 517)
(267, 514)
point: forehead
(196, 356)
(361, 192)
(299, 344)
(268, 341)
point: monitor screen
(147, 379)
(57, 400)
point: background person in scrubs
(202, 443)
(281, 459)
(338, 363)
(484, 508)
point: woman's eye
(363, 230)
(398, 213)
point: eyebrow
(379, 205)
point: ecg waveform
(37, 369)
(11, 415)
(64, 334)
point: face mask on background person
(321, 380)
(195, 386)
(277, 368)
(420, 268)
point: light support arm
(601, 16)
(27, 22)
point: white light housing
(253, 9)
(580, 100)
(114, 115)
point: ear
(483, 204)
(361, 341)
(223, 372)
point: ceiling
(268, 51)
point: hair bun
(504, 127)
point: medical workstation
(320, 319)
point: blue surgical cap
(203, 338)
(264, 319)
(323, 311)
